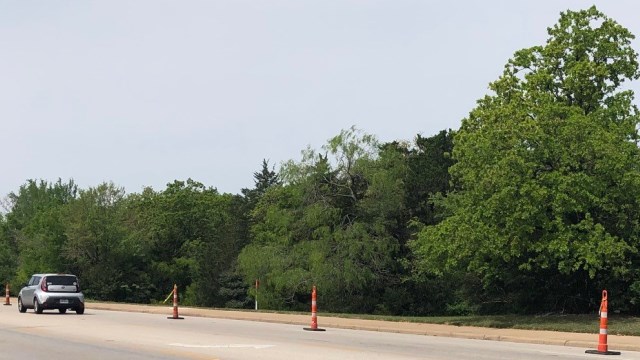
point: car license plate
(64, 301)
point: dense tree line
(533, 205)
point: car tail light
(77, 286)
(43, 285)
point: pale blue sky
(142, 92)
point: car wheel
(62, 311)
(21, 307)
(80, 310)
(36, 306)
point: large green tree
(34, 226)
(233, 291)
(108, 260)
(425, 177)
(329, 225)
(190, 234)
(547, 177)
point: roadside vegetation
(583, 323)
(531, 207)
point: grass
(617, 324)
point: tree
(425, 176)
(7, 253)
(547, 177)
(263, 180)
(233, 291)
(329, 224)
(99, 248)
(34, 227)
(191, 235)
(429, 162)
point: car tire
(80, 310)
(62, 311)
(37, 307)
(21, 307)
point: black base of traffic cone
(314, 329)
(175, 318)
(602, 352)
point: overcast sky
(143, 92)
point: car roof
(52, 274)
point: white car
(51, 291)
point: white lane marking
(228, 346)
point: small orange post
(7, 295)
(314, 312)
(175, 304)
(603, 348)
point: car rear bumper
(62, 302)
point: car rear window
(62, 280)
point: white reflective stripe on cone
(603, 331)
(603, 314)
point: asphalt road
(124, 335)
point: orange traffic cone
(175, 304)
(8, 295)
(603, 348)
(314, 312)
